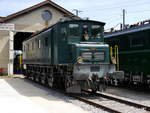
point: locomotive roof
(102, 23)
(36, 33)
(127, 31)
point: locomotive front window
(85, 29)
(74, 29)
(96, 31)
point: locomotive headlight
(79, 59)
(148, 76)
(24, 66)
(99, 55)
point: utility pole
(123, 18)
(77, 12)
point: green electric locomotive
(134, 49)
(70, 55)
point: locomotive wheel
(43, 81)
(101, 88)
(32, 76)
(37, 78)
(67, 82)
(50, 80)
(94, 90)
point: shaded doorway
(18, 40)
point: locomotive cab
(87, 32)
(88, 53)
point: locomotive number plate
(94, 68)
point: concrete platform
(18, 95)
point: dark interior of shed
(18, 39)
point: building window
(46, 15)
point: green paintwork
(78, 49)
(134, 51)
(62, 48)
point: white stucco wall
(4, 45)
(34, 17)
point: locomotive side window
(63, 31)
(32, 45)
(46, 41)
(96, 31)
(74, 29)
(39, 43)
(137, 41)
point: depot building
(17, 27)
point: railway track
(103, 101)
(137, 105)
(95, 104)
(112, 100)
(82, 99)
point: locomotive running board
(74, 89)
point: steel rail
(88, 101)
(127, 102)
(104, 96)
(95, 104)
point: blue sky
(109, 11)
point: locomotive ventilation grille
(95, 55)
